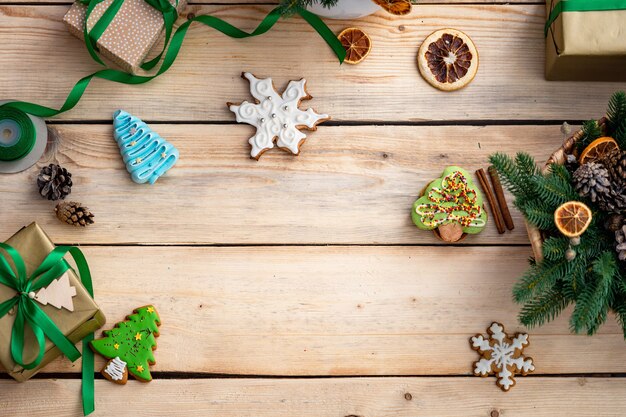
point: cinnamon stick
(491, 200)
(497, 188)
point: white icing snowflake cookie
(277, 118)
(501, 356)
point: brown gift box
(586, 46)
(137, 26)
(34, 245)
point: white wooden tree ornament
(58, 294)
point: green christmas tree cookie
(451, 201)
(129, 346)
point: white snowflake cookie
(501, 356)
(277, 118)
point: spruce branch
(591, 131)
(594, 280)
(537, 279)
(538, 214)
(616, 114)
(544, 308)
(290, 6)
(593, 301)
(514, 173)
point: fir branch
(290, 6)
(554, 248)
(619, 303)
(555, 188)
(539, 278)
(537, 213)
(515, 177)
(543, 308)
(616, 114)
(591, 131)
(593, 301)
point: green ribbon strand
(29, 314)
(582, 6)
(21, 134)
(170, 53)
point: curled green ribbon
(170, 52)
(29, 314)
(582, 6)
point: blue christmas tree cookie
(146, 154)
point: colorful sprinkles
(454, 202)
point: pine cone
(592, 181)
(614, 201)
(616, 165)
(54, 182)
(620, 243)
(74, 213)
(614, 222)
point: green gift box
(585, 40)
(35, 248)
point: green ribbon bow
(170, 52)
(582, 6)
(29, 314)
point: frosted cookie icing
(146, 154)
(275, 116)
(452, 198)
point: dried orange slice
(598, 149)
(572, 218)
(448, 59)
(397, 7)
(356, 43)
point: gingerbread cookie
(452, 204)
(129, 346)
(276, 118)
(501, 356)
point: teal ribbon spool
(17, 134)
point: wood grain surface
(299, 286)
(350, 185)
(361, 397)
(332, 310)
(385, 87)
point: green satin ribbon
(170, 52)
(169, 12)
(23, 128)
(582, 6)
(29, 314)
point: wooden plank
(239, 2)
(362, 397)
(386, 87)
(332, 310)
(351, 184)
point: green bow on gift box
(29, 314)
(582, 6)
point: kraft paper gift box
(586, 45)
(134, 31)
(34, 245)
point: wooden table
(299, 286)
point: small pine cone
(54, 182)
(614, 222)
(614, 201)
(74, 213)
(592, 180)
(616, 165)
(620, 243)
